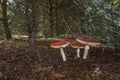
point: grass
(19, 43)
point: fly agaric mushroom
(87, 44)
(61, 45)
(78, 46)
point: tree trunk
(5, 19)
(34, 24)
(51, 18)
(56, 17)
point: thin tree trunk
(5, 19)
(56, 15)
(44, 20)
(34, 24)
(51, 18)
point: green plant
(18, 43)
(96, 72)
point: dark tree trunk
(51, 18)
(34, 24)
(5, 19)
(44, 24)
(56, 17)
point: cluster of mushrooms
(85, 44)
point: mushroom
(87, 44)
(61, 45)
(78, 46)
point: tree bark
(51, 18)
(5, 20)
(56, 17)
(34, 24)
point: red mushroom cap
(75, 45)
(60, 44)
(89, 42)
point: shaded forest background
(97, 20)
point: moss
(18, 43)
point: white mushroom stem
(87, 47)
(63, 54)
(78, 52)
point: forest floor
(41, 62)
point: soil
(41, 62)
